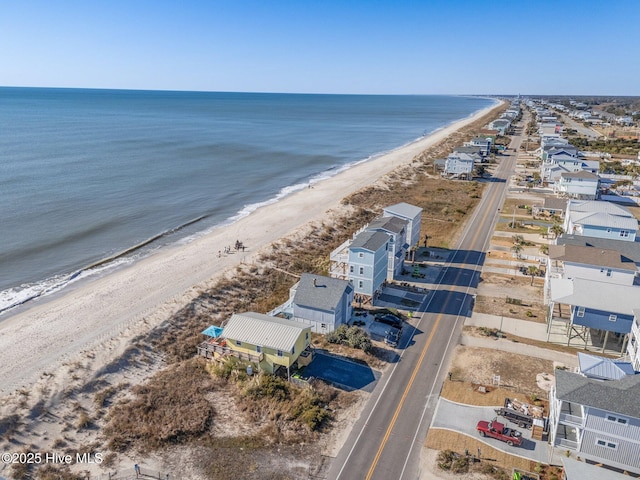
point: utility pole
(513, 222)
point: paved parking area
(342, 373)
(464, 418)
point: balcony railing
(570, 444)
(570, 419)
(208, 350)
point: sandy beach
(96, 319)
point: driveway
(464, 418)
(341, 372)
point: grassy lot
(534, 312)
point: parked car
(390, 319)
(392, 338)
(498, 431)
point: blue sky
(347, 46)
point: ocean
(86, 175)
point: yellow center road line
(402, 400)
(405, 394)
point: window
(606, 443)
(279, 353)
(613, 318)
(616, 419)
(323, 325)
(624, 233)
(608, 272)
(360, 255)
(580, 312)
(306, 336)
(351, 269)
(361, 270)
(258, 349)
(293, 350)
(360, 284)
(238, 343)
(608, 230)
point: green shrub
(269, 386)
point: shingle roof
(628, 249)
(580, 174)
(554, 203)
(616, 396)
(324, 295)
(403, 210)
(390, 224)
(368, 240)
(258, 329)
(591, 256)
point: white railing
(570, 444)
(571, 419)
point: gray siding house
(396, 228)
(323, 303)
(368, 258)
(411, 214)
(597, 420)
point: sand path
(104, 313)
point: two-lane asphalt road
(385, 442)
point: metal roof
(615, 396)
(577, 470)
(591, 256)
(593, 366)
(607, 297)
(325, 294)
(598, 206)
(403, 210)
(258, 329)
(602, 219)
(371, 241)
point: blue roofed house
(320, 302)
(410, 213)
(368, 260)
(594, 218)
(596, 309)
(595, 414)
(396, 228)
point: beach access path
(93, 321)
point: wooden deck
(214, 350)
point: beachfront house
(368, 259)
(501, 125)
(580, 185)
(275, 342)
(396, 229)
(410, 213)
(322, 303)
(595, 419)
(459, 165)
(484, 142)
(600, 219)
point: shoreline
(109, 310)
(21, 298)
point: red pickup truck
(497, 430)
